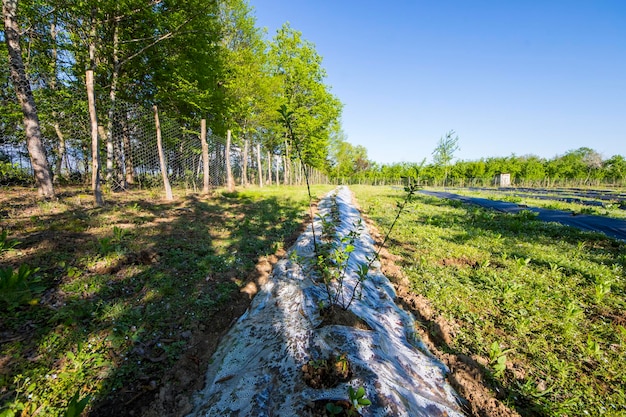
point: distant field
(540, 306)
(610, 203)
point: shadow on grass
(517, 234)
(138, 295)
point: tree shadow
(133, 317)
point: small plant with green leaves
(7, 244)
(77, 405)
(602, 287)
(497, 358)
(358, 400)
(19, 286)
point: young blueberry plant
(333, 252)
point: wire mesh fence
(129, 155)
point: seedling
(498, 358)
(357, 399)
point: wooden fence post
(205, 156)
(166, 182)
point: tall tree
(444, 152)
(36, 150)
(297, 67)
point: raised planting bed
(312, 346)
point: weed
(593, 347)
(497, 358)
(334, 409)
(76, 405)
(7, 244)
(19, 286)
(602, 288)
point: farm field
(609, 203)
(540, 308)
(124, 304)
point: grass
(122, 289)
(613, 209)
(540, 306)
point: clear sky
(510, 77)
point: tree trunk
(53, 86)
(166, 181)
(258, 163)
(244, 163)
(128, 152)
(286, 168)
(60, 150)
(230, 182)
(24, 94)
(93, 118)
(205, 157)
(112, 97)
(269, 168)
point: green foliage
(444, 152)
(76, 405)
(7, 244)
(314, 111)
(19, 286)
(497, 358)
(12, 174)
(358, 398)
(334, 409)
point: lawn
(124, 304)
(540, 307)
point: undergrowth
(100, 302)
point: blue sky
(510, 77)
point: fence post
(95, 141)
(230, 183)
(166, 182)
(258, 163)
(205, 156)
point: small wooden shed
(502, 180)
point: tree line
(193, 60)
(579, 167)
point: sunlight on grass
(553, 297)
(125, 286)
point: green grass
(547, 298)
(124, 285)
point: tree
(36, 150)
(615, 168)
(300, 77)
(444, 152)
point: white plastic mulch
(256, 371)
